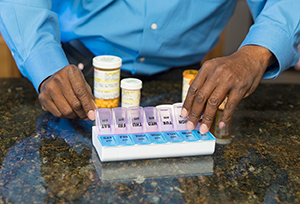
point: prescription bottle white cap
(131, 83)
(107, 62)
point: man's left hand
(235, 76)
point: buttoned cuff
(278, 42)
(43, 63)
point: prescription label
(130, 98)
(185, 88)
(106, 84)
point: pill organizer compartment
(150, 132)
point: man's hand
(235, 76)
(66, 94)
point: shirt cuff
(43, 63)
(278, 42)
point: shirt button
(154, 26)
(142, 59)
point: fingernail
(190, 125)
(91, 115)
(222, 125)
(184, 112)
(203, 128)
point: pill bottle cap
(190, 73)
(107, 61)
(131, 83)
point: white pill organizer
(144, 133)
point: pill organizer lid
(107, 61)
(131, 83)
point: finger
(62, 104)
(191, 94)
(73, 101)
(233, 100)
(83, 94)
(199, 103)
(196, 84)
(212, 105)
(48, 105)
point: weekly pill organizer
(147, 132)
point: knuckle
(200, 98)
(222, 68)
(80, 91)
(208, 118)
(240, 83)
(68, 112)
(56, 79)
(192, 90)
(230, 106)
(213, 102)
(193, 114)
(76, 105)
(208, 63)
(42, 97)
(57, 114)
(226, 117)
(72, 69)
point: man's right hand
(66, 94)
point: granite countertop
(49, 160)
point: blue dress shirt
(149, 35)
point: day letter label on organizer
(157, 137)
(124, 140)
(107, 141)
(173, 137)
(141, 139)
(188, 136)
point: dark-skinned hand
(235, 76)
(66, 94)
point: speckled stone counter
(49, 160)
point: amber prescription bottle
(131, 92)
(223, 136)
(188, 75)
(107, 80)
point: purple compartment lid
(165, 117)
(120, 120)
(151, 119)
(179, 121)
(135, 119)
(103, 120)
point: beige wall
(8, 67)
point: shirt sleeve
(276, 27)
(31, 31)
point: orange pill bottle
(107, 80)
(188, 76)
